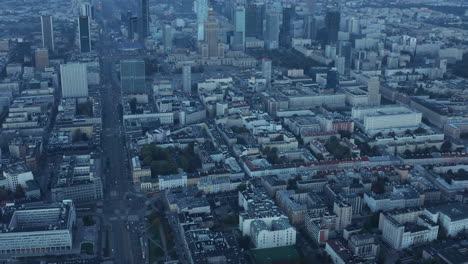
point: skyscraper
(47, 28)
(266, 70)
(133, 28)
(74, 79)
(333, 79)
(286, 26)
(211, 35)
(272, 30)
(310, 27)
(144, 19)
(200, 7)
(84, 31)
(373, 90)
(254, 17)
(132, 76)
(239, 28)
(344, 50)
(187, 79)
(41, 56)
(87, 10)
(167, 37)
(332, 24)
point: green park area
(165, 161)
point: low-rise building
(279, 234)
(37, 229)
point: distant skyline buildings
(132, 76)
(239, 28)
(254, 17)
(332, 24)
(287, 25)
(144, 19)
(167, 37)
(187, 78)
(74, 80)
(84, 32)
(211, 47)
(272, 29)
(47, 28)
(200, 7)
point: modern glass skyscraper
(84, 34)
(132, 76)
(200, 7)
(272, 29)
(286, 26)
(254, 16)
(310, 27)
(239, 28)
(144, 18)
(47, 32)
(332, 24)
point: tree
(133, 105)
(85, 109)
(420, 130)
(244, 242)
(19, 193)
(446, 146)
(345, 134)
(379, 186)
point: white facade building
(407, 227)
(172, 181)
(452, 217)
(74, 78)
(279, 234)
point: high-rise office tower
(211, 35)
(373, 90)
(286, 26)
(41, 56)
(310, 27)
(74, 79)
(333, 79)
(266, 71)
(200, 7)
(133, 28)
(254, 16)
(167, 37)
(344, 50)
(239, 28)
(132, 76)
(84, 32)
(47, 27)
(332, 24)
(144, 19)
(187, 79)
(87, 10)
(272, 24)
